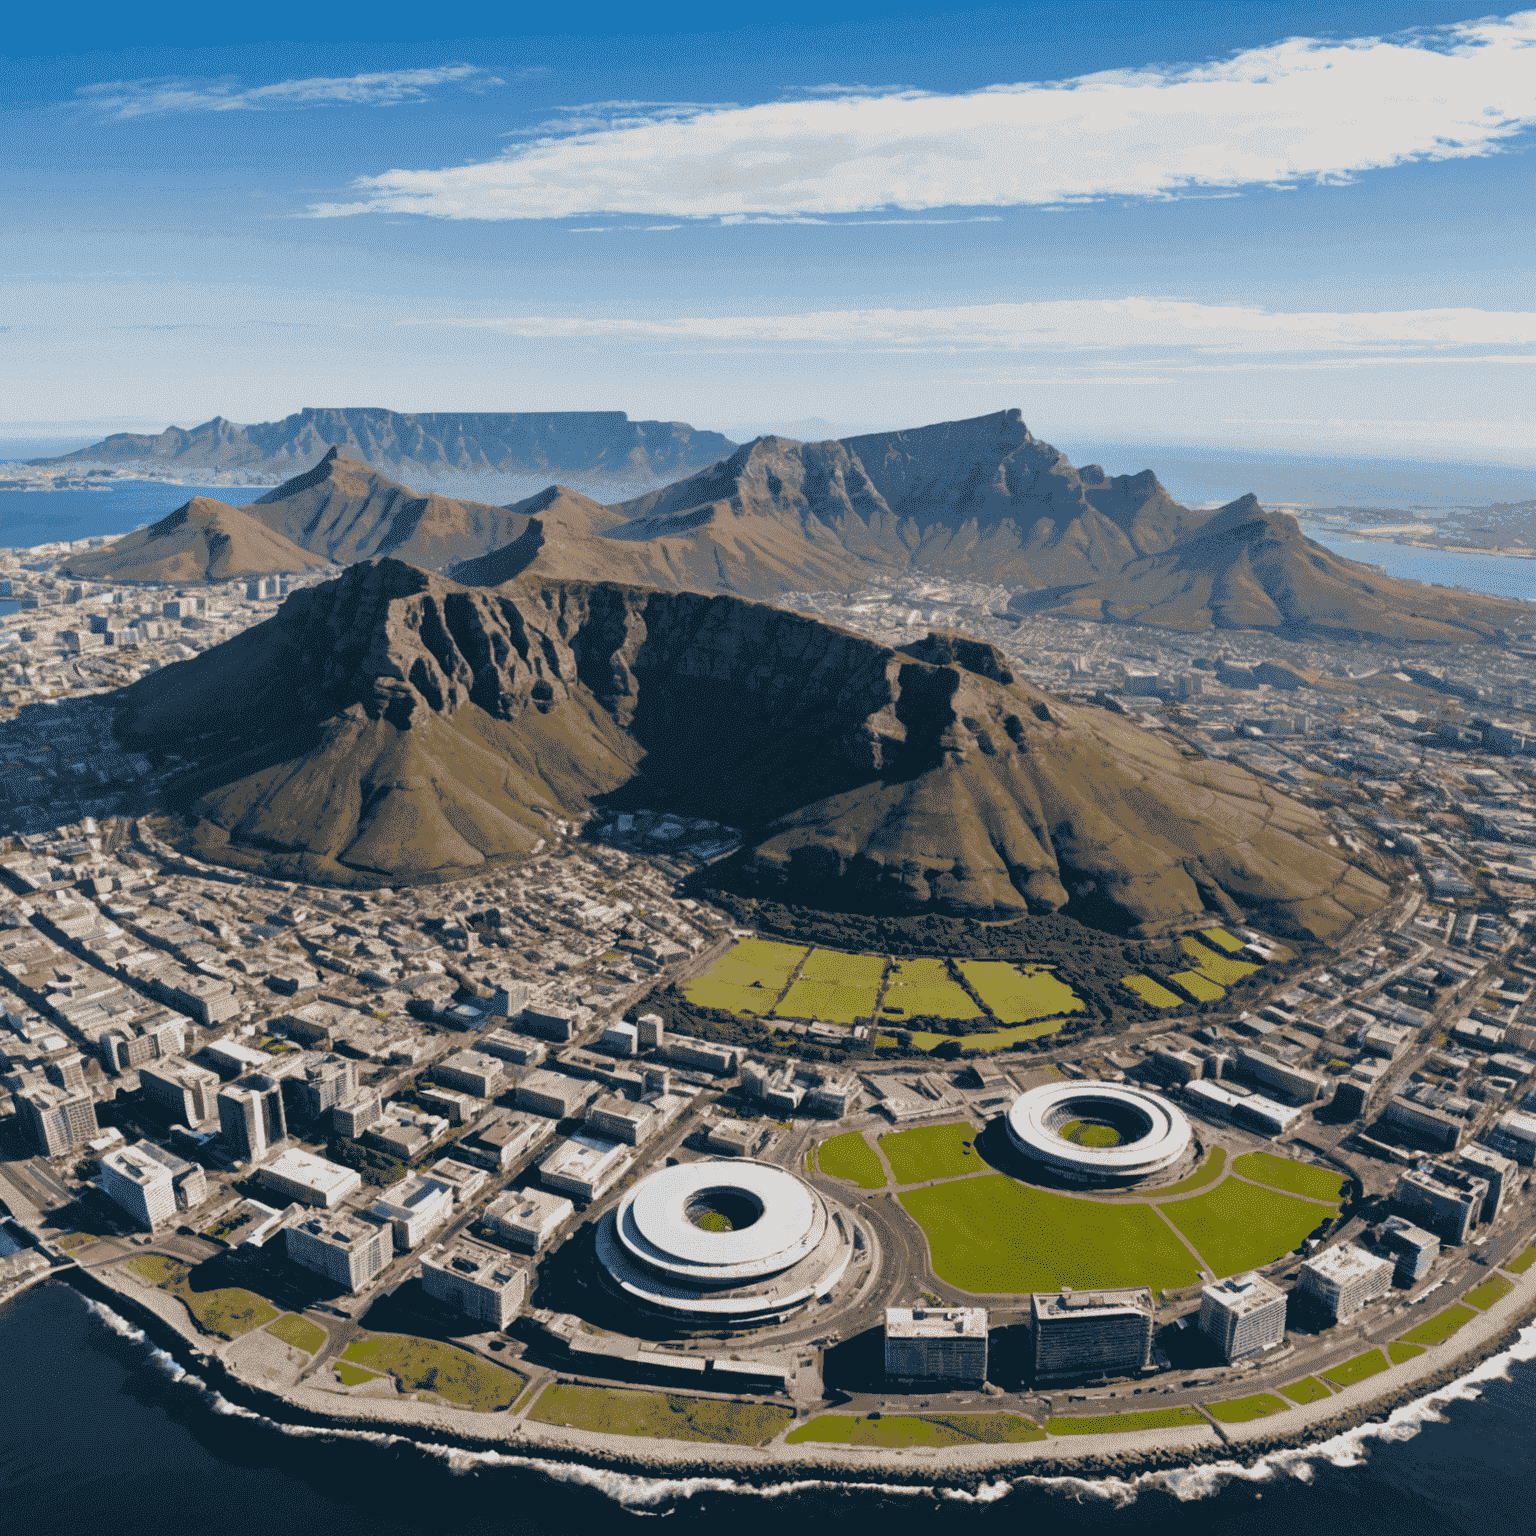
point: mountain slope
(346, 511)
(1251, 569)
(204, 540)
(393, 725)
(529, 443)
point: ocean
(101, 1430)
(48, 517)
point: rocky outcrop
(395, 725)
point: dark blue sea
(100, 1431)
(48, 517)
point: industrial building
(476, 1281)
(309, 1180)
(347, 1250)
(414, 1208)
(941, 1344)
(1091, 1333)
(1446, 1201)
(1341, 1280)
(187, 1093)
(527, 1218)
(1242, 1315)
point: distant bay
(1497, 575)
(48, 517)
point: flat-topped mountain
(394, 725)
(204, 540)
(1246, 568)
(594, 443)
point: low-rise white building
(414, 1208)
(584, 1165)
(311, 1180)
(527, 1218)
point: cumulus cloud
(158, 97)
(1298, 110)
(1122, 325)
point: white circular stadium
(1099, 1133)
(728, 1240)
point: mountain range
(543, 443)
(394, 725)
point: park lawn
(834, 1002)
(1123, 1423)
(1308, 1390)
(1371, 1363)
(990, 1234)
(1494, 1288)
(1524, 1262)
(427, 1365)
(1150, 991)
(992, 1040)
(1207, 1173)
(1239, 1226)
(1199, 987)
(849, 1156)
(226, 1312)
(1244, 1410)
(1222, 939)
(1400, 1353)
(664, 1415)
(353, 1375)
(1285, 1173)
(1019, 994)
(748, 978)
(932, 1152)
(894, 1430)
(155, 1268)
(845, 969)
(1218, 967)
(1437, 1329)
(299, 1332)
(925, 987)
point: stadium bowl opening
(1099, 1133)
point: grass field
(1400, 1353)
(1212, 963)
(931, 1152)
(1371, 1363)
(1221, 939)
(425, 1365)
(1123, 1423)
(1019, 994)
(1239, 1226)
(747, 978)
(299, 1332)
(1152, 992)
(836, 987)
(1437, 1329)
(226, 1312)
(1199, 987)
(620, 1411)
(1523, 1263)
(1308, 1390)
(932, 1429)
(1207, 1173)
(990, 1234)
(992, 1040)
(849, 1156)
(918, 987)
(1244, 1410)
(1284, 1173)
(353, 1375)
(1494, 1288)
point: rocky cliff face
(392, 725)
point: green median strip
(1125, 1423)
(1524, 1262)
(1402, 1353)
(1437, 1329)
(1308, 1390)
(1494, 1288)
(1243, 1410)
(1371, 1363)
(897, 1430)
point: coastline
(1229, 1449)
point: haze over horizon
(1292, 229)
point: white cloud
(156, 98)
(1298, 110)
(1123, 326)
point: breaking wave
(654, 1495)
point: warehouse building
(939, 1344)
(1091, 1333)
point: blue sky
(1269, 226)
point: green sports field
(918, 987)
(1017, 994)
(932, 1152)
(837, 987)
(1221, 939)
(1285, 1173)
(1238, 1226)
(747, 978)
(1212, 963)
(1150, 991)
(849, 1156)
(991, 1234)
(1199, 987)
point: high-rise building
(1242, 1315)
(1341, 1280)
(1092, 1333)
(1500, 1172)
(351, 1119)
(188, 1093)
(347, 1250)
(477, 1281)
(936, 1344)
(319, 1086)
(141, 1185)
(1445, 1200)
(652, 1031)
(1415, 1248)
(251, 1116)
(57, 1119)
(66, 1071)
